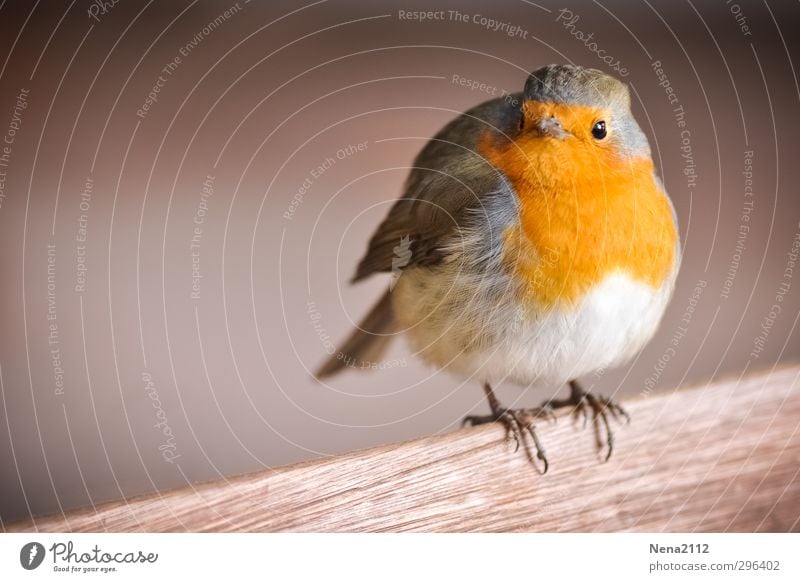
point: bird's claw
(517, 421)
(587, 404)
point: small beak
(551, 126)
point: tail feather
(367, 342)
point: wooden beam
(723, 457)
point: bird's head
(574, 122)
(566, 102)
(588, 195)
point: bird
(534, 244)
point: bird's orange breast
(585, 213)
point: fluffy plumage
(539, 253)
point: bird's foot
(517, 423)
(599, 408)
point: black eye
(599, 130)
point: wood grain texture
(723, 457)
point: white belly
(459, 329)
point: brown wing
(449, 177)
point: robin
(534, 244)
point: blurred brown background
(159, 324)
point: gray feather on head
(576, 85)
(571, 84)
